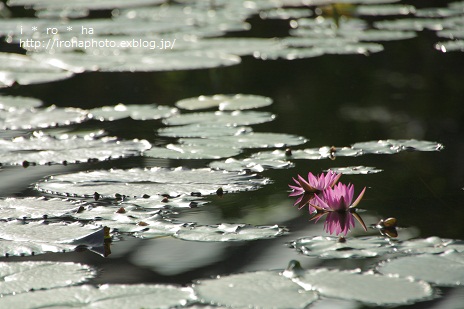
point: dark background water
(331, 100)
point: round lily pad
(172, 151)
(12, 103)
(202, 130)
(155, 181)
(135, 111)
(236, 118)
(21, 277)
(253, 290)
(225, 102)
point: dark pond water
(408, 91)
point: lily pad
(43, 149)
(89, 4)
(13, 103)
(367, 288)
(107, 296)
(29, 238)
(355, 170)
(446, 269)
(20, 277)
(153, 181)
(290, 53)
(253, 290)
(36, 208)
(234, 46)
(134, 111)
(330, 247)
(250, 140)
(385, 9)
(172, 151)
(41, 118)
(24, 70)
(202, 130)
(225, 102)
(228, 232)
(126, 62)
(394, 146)
(456, 45)
(236, 118)
(252, 163)
(286, 13)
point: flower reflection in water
(306, 190)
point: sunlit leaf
(250, 140)
(228, 232)
(391, 146)
(225, 102)
(106, 296)
(135, 111)
(89, 4)
(254, 164)
(139, 182)
(385, 9)
(354, 170)
(36, 208)
(448, 46)
(330, 247)
(446, 269)
(20, 277)
(268, 290)
(202, 130)
(236, 118)
(12, 103)
(414, 24)
(24, 70)
(172, 151)
(80, 62)
(44, 149)
(365, 287)
(41, 118)
(285, 13)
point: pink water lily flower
(306, 189)
(337, 203)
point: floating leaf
(21, 277)
(28, 238)
(234, 46)
(41, 118)
(456, 45)
(385, 10)
(236, 118)
(167, 203)
(13, 103)
(202, 130)
(225, 102)
(290, 53)
(330, 247)
(394, 146)
(253, 164)
(43, 149)
(414, 24)
(36, 208)
(23, 70)
(285, 13)
(139, 182)
(172, 151)
(268, 290)
(446, 269)
(228, 232)
(105, 297)
(137, 112)
(365, 287)
(80, 62)
(355, 170)
(250, 140)
(88, 4)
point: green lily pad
(44, 149)
(202, 130)
(37, 208)
(155, 181)
(13, 103)
(225, 102)
(253, 164)
(250, 140)
(367, 287)
(236, 118)
(355, 170)
(41, 117)
(228, 232)
(253, 290)
(385, 9)
(21, 277)
(24, 70)
(133, 62)
(135, 111)
(286, 13)
(93, 5)
(446, 269)
(172, 151)
(449, 46)
(105, 297)
(290, 53)
(391, 146)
